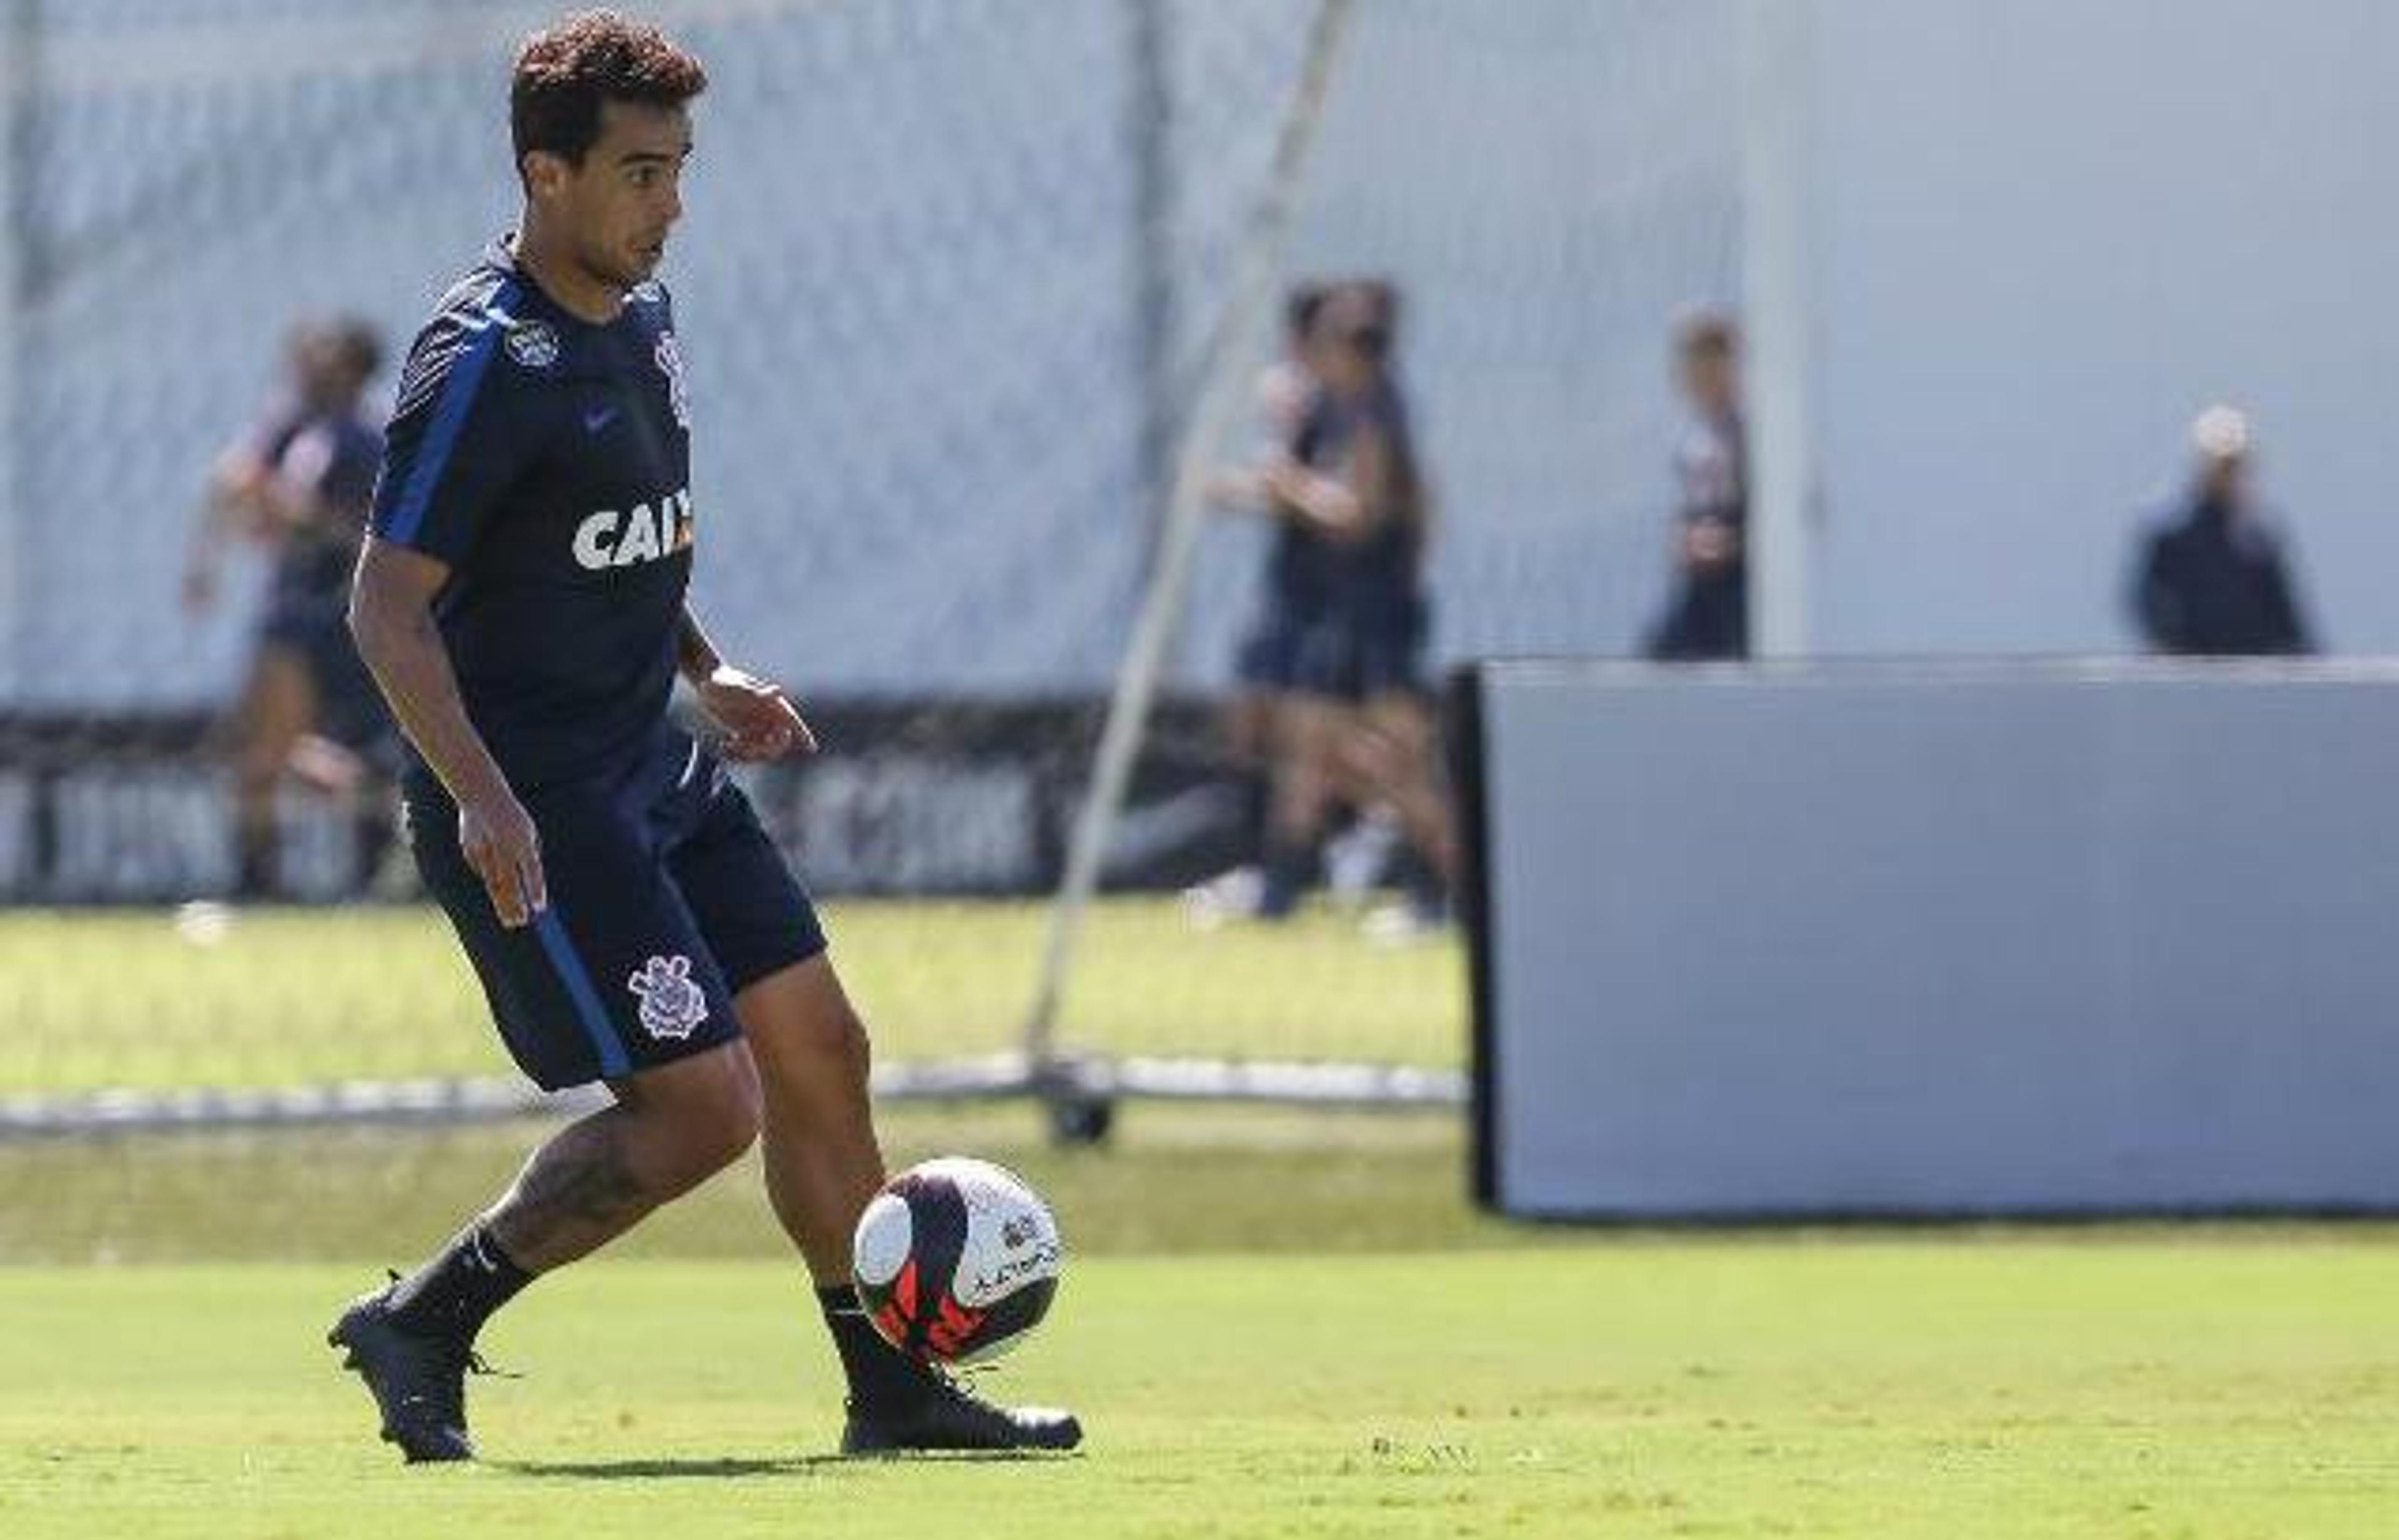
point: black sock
(1257, 815)
(880, 1376)
(1289, 870)
(254, 863)
(455, 1293)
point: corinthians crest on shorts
(673, 1005)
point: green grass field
(1696, 1387)
(1275, 1323)
(284, 997)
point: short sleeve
(448, 455)
(349, 481)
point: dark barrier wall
(1938, 940)
(908, 797)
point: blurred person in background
(1708, 616)
(1354, 727)
(2212, 578)
(1286, 394)
(298, 483)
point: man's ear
(544, 171)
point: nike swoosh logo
(598, 419)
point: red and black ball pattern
(956, 1260)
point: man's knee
(712, 1099)
(833, 1032)
(800, 1016)
(741, 1104)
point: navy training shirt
(1376, 580)
(547, 461)
(334, 455)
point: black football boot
(419, 1382)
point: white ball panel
(885, 1234)
(1011, 1240)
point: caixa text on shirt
(610, 538)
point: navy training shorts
(666, 899)
(1269, 655)
(1350, 653)
(314, 628)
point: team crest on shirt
(532, 343)
(670, 364)
(673, 1005)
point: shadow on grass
(661, 1469)
(731, 1467)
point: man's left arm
(759, 719)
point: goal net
(965, 300)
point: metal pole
(1150, 132)
(19, 64)
(1778, 157)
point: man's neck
(569, 285)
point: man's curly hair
(566, 72)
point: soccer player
(1708, 616)
(1353, 722)
(300, 482)
(522, 600)
(1286, 394)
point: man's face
(2220, 476)
(1710, 380)
(1335, 354)
(618, 206)
(322, 374)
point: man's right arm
(391, 616)
(452, 450)
(228, 508)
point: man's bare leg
(823, 1160)
(1396, 756)
(278, 703)
(1308, 736)
(672, 1129)
(823, 1164)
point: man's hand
(760, 722)
(497, 836)
(1319, 500)
(240, 489)
(1710, 544)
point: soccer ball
(956, 1260)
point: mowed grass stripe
(278, 997)
(2137, 1386)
